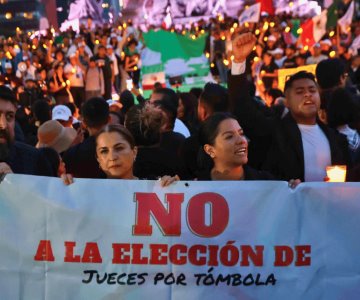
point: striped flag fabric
(332, 15)
(345, 21)
(267, 6)
(314, 29)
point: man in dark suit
(300, 146)
(16, 157)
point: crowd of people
(65, 109)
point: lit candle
(336, 173)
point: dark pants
(78, 94)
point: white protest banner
(251, 14)
(115, 239)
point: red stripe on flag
(307, 35)
(267, 6)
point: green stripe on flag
(295, 26)
(152, 69)
(172, 45)
(332, 15)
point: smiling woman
(224, 151)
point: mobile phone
(129, 84)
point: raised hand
(67, 179)
(167, 180)
(242, 45)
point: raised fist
(242, 45)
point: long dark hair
(208, 132)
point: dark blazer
(80, 160)
(25, 159)
(283, 156)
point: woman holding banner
(224, 151)
(116, 153)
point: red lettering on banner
(301, 259)
(44, 251)
(69, 253)
(196, 214)
(136, 255)
(194, 256)
(156, 257)
(213, 255)
(168, 220)
(284, 256)
(91, 254)
(119, 255)
(256, 256)
(174, 254)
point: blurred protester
(94, 80)
(17, 157)
(316, 56)
(290, 61)
(80, 160)
(152, 161)
(59, 86)
(75, 73)
(104, 62)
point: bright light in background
(115, 97)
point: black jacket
(283, 156)
(80, 160)
(25, 159)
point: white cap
(276, 51)
(8, 65)
(272, 38)
(61, 112)
(327, 42)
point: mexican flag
(169, 54)
(313, 29)
(346, 20)
(267, 6)
(332, 14)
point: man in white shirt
(316, 56)
(299, 146)
(74, 72)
